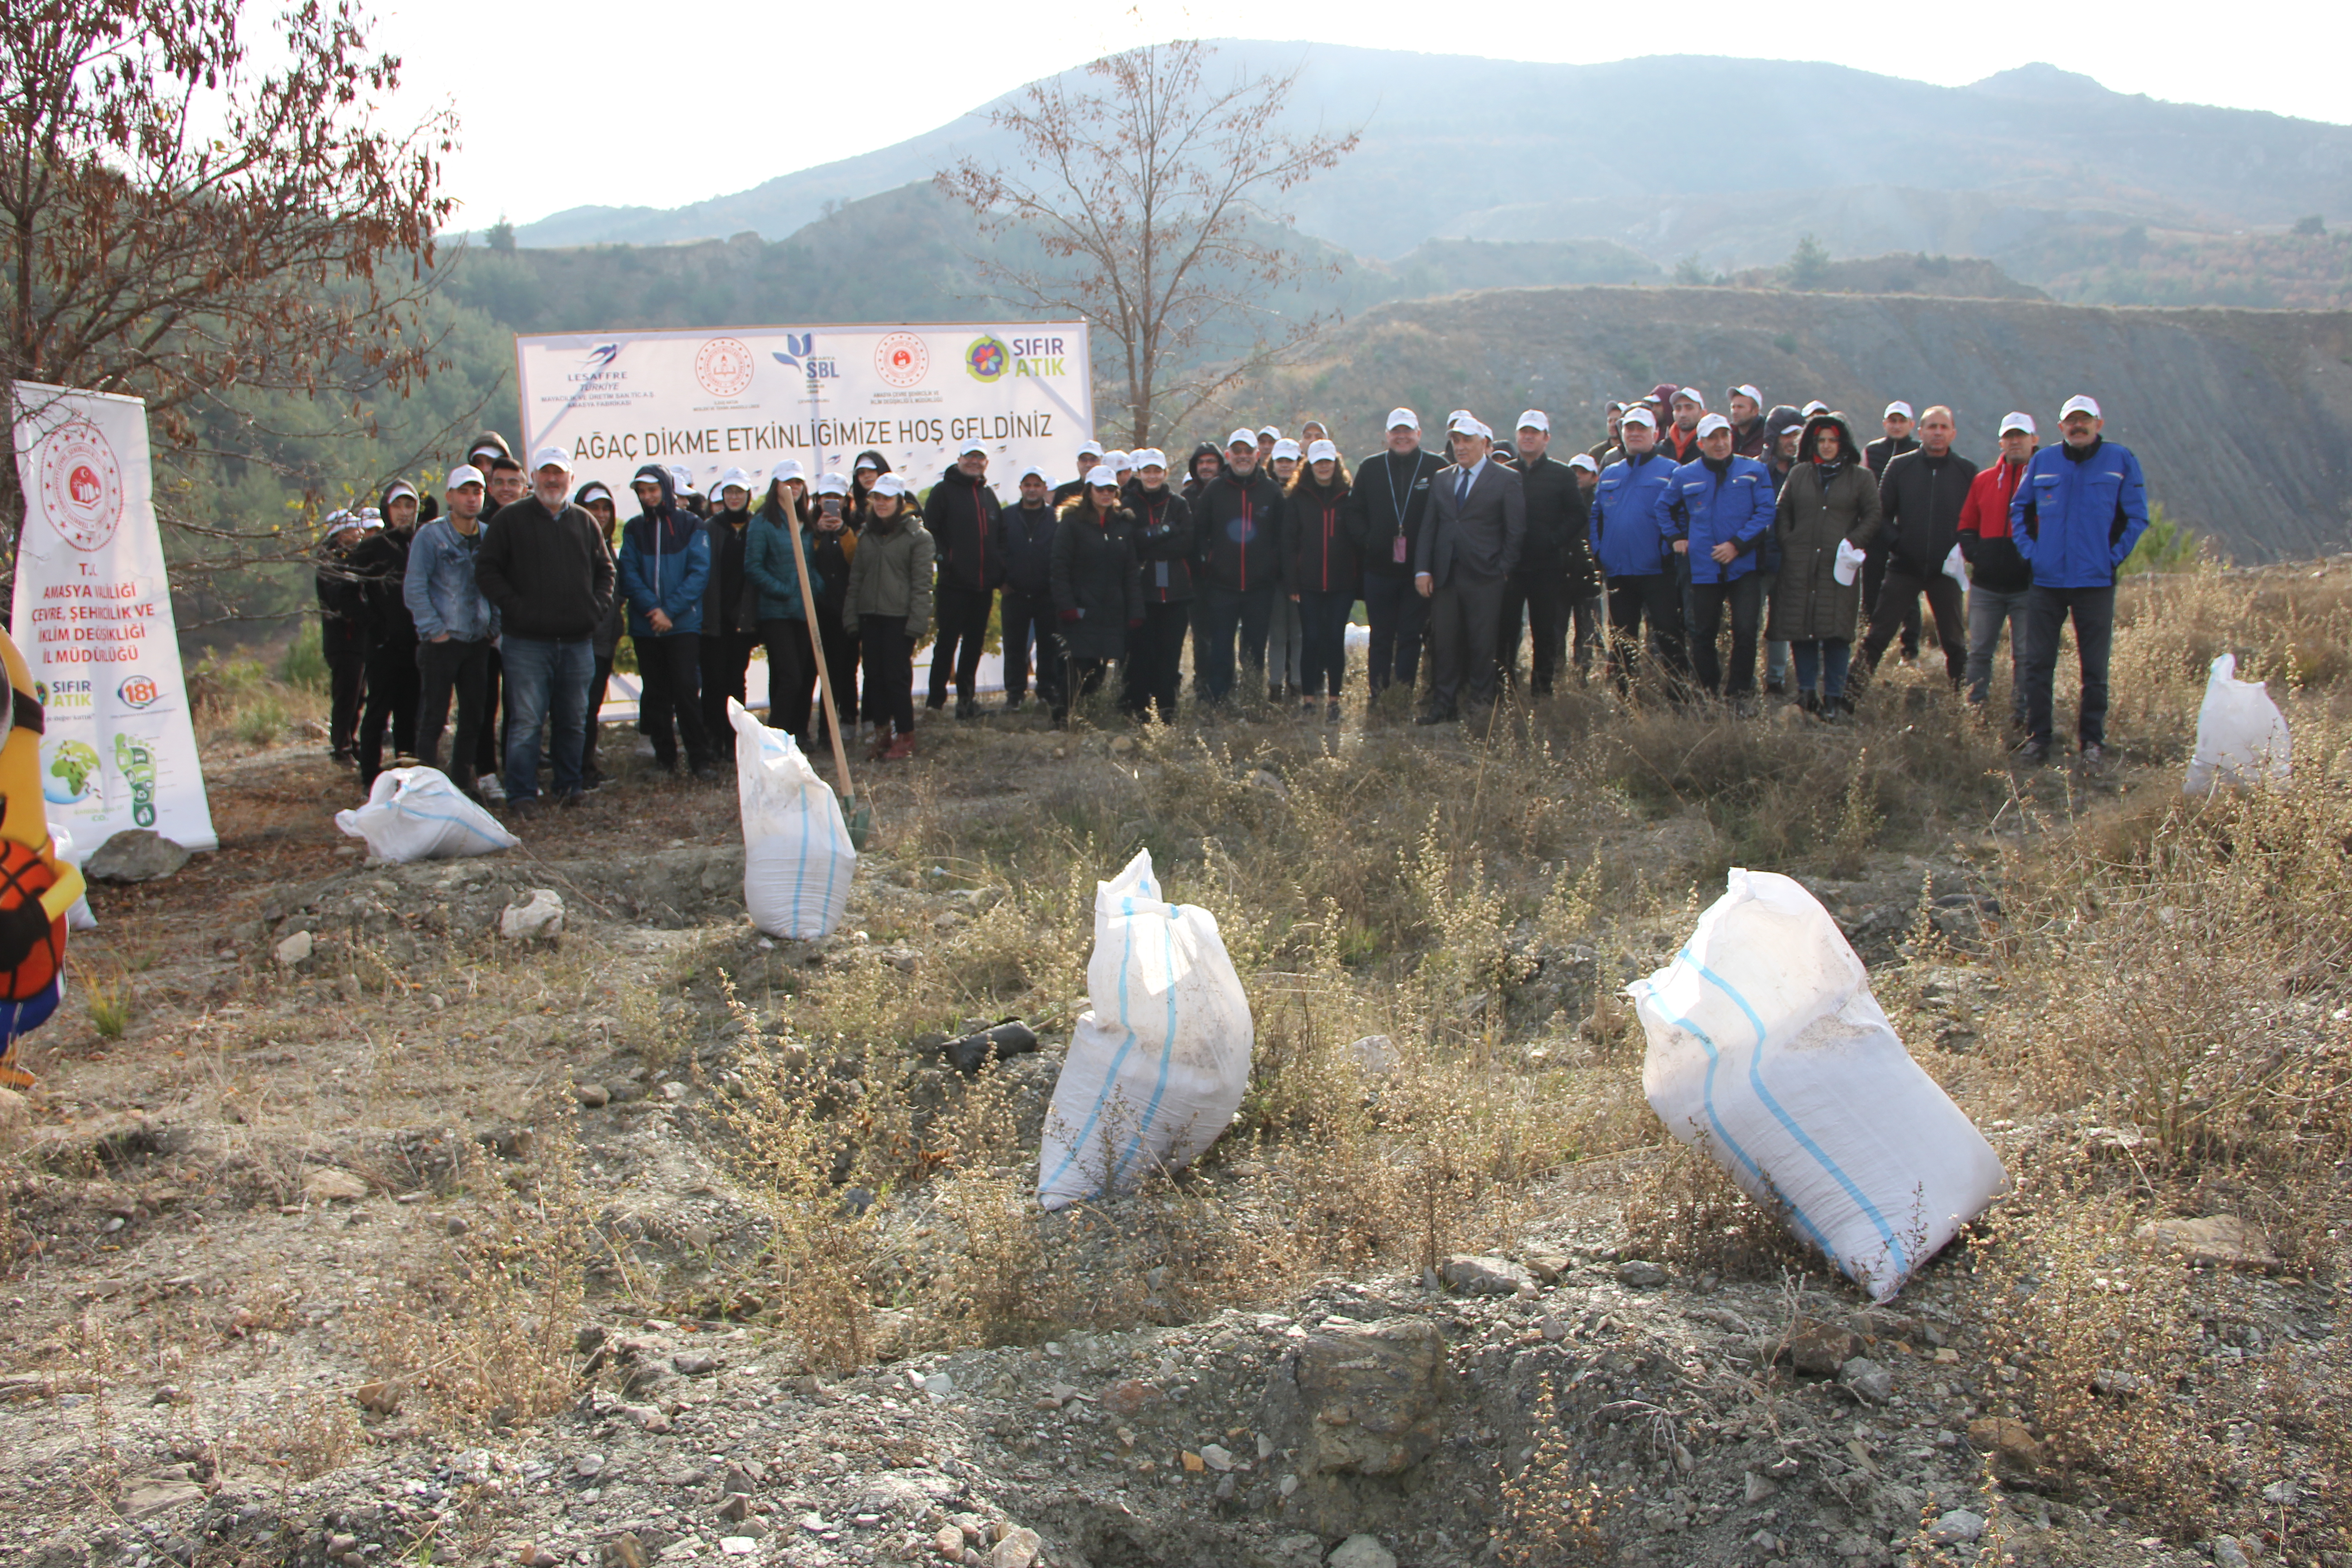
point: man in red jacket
(1999, 577)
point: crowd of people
(506, 597)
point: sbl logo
(799, 353)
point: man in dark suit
(1471, 544)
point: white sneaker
(488, 788)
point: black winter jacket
(380, 563)
(550, 575)
(1559, 529)
(1239, 531)
(1386, 504)
(967, 524)
(1095, 575)
(1165, 543)
(1919, 503)
(1029, 551)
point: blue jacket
(2076, 516)
(439, 589)
(1736, 509)
(775, 575)
(1630, 522)
(665, 562)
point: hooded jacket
(1728, 504)
(664, 562)
(1321, 557)
(1240, 531)
(2078, 512)
(1560, 524)
(1919, 502)
(1820, 506)
(1165, 541)
(1094, 572)
(967, 524)
(547, 573)
(729, 600)
(1994, 563)
(1193, 483)
(379, 567)
(1748, 440)
(1886, 449)
(769, 567)
(1386, 504)
(609, 630)
(890, 574)
(1629, 525)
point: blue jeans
(545, 674)
(2047, 611)
(1822, 662)
(1399, 617)
(1216, 612)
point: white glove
(1849, 562)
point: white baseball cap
(1323, 451)
(1536, 419)
(2017, 420)
(832, 485)
(790, 468)
(551, 457)
(1285, 447)
(1266, 430)
(1815, 406)
(1468, 425)
(735, 478)
(1120, 461)
(1637, 415)
(1692, 392)
(968, 448)
(1896, 407)
(1711, 423)
(866, 463)
(1033, 471)
(1747, 392)
(681, 479)
(342, 522)
(461, 476)
(1151, 457)
(1090, 448)
(1241, 439)
(1404, 417)
(593, 491)
(2081, 403)
(1584, 460)
(1102, 476)
(890, 485)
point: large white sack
(1157, 1065)
(2241, 737)
(797, 857)
(1768, 1051)
(417, 814)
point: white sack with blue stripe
(1768, 1051)
(417, 814)
(797, 857)
(1157, 1065)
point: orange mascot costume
(37, 888)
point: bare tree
(1147, 191)
(177, 225)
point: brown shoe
(902, 749)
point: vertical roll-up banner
(93, 618)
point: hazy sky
(628, 105)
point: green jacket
(892, 574)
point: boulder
(1359, 1399)
(2220, 1241)
(134, 855)
(1487, 1276)
(538, 918)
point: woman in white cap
(1098, 593)
(731, 609)
(889, 595)
(1164, 545)
(832, 546)
(1285, 641)
(774, 582)
(595, 499)
(1323, 572)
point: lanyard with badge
(1397, 549)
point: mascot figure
(37, 888)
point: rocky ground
(212, 1207)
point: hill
(2242, 419)
(1450, 143)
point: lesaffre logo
(602, 356)
(137, 691)
(723, 365)
(901, 359)
(987, 359)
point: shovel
(859, 814)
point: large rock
(2219, 1240)
(1818, 1349)
(1358, 1404)
(134, 855)
(1487, 1276)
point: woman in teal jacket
(783, 619)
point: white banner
(93, 616)
(749, 397)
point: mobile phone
(832, 505)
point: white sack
(797, 857)
(1768, 1051)
(1157, 1065)
(417, 814)
(2241, 737)
(1848, 563)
